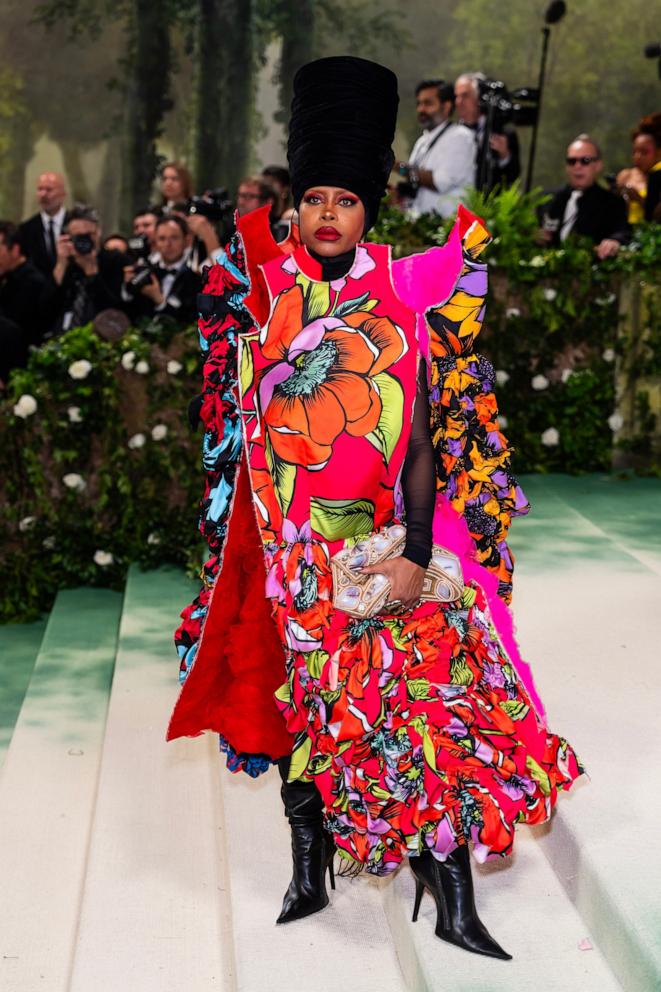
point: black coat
(505, 176)
(601, 214)
(33, 243)
(27, 298)
(181, 302)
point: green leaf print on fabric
(315, 661)
(396, 627)
(418, 688)
(539, 775)
(460, 673)
(316, 298)
(247, 370)
(283, 475)
(516, 709)
(300, 758)
(336, 519)
(389, 428)
(351, 306)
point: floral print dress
(418, 730)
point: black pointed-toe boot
(451, 884)
(312, 849)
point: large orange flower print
(322, 381)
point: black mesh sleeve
(419, 480)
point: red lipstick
(327, 234)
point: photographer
(442, 162)
(88, 278)
(497, 159)
(170, 287)
(144, 225)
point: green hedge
(99, 468)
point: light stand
(554, 13)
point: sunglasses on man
(583, 159)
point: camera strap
(444, 128)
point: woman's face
(332, 220)
(171, 185)
(645, 152)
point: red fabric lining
(240, 661)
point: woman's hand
(405, 579)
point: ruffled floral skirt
(419, 734)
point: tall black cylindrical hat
(342, 127)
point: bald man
(38, 235)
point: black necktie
(52, 250)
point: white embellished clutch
(361, 595)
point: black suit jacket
(27, 297)
(33, 243)
(601, 214)
(499, 176)
(181, 302)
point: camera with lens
(215, 205)
(138, 256)
(83, 243)
(520, 107)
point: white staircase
(129, 865)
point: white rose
(26, 406)
(550, 437)
(502, 377)
(74, 481)
(159, 432)
(550, 295)
(537, 262)
(608, 355)
(103, 558)
(174, 366)
(605, 301)
(80, 369)
(74, 414)
(512, 312)
(137, 441)
(27, 523)
(48, 543)
(615, 421)
(539, 382)
(128, 360)
(153, 539)
(502, 421)
(566, 375)
(142, 368)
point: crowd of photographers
(57, 271)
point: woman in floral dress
(342, 396)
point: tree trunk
(73, 169)
(297, 48)
(149, 64)
(223, 92)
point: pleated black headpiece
(342, 127)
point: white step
(155, 910)
(588, 610)
(47, 791)
(346, 946)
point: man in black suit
(170, 286)
(25, 302)
(39, 234)
(497, 160)
(585, 208)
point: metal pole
(546, 32)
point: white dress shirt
(570, 214)
(58, 223)
(448, 152)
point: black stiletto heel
(451, 885)
(312, 849)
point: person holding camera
(497, 153)
(87, 276)
(442, 163)
(169, 287)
